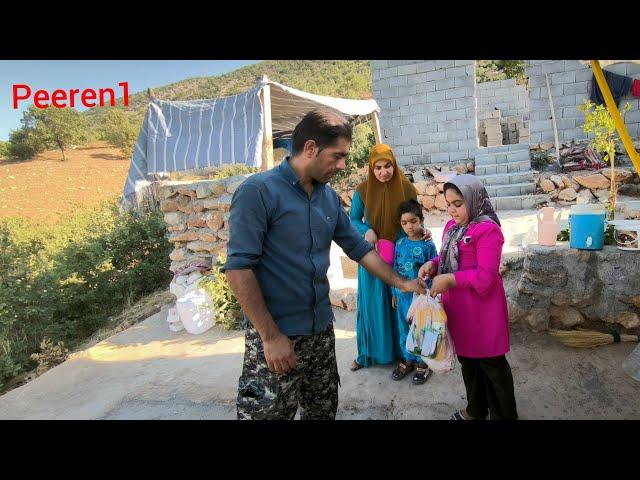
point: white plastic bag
(196, 311)
(428, 335)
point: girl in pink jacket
(467, 274)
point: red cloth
(635, 88)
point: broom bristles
(588, 338)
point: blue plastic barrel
(586, 227)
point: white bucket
(627, 234)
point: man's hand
(427, 270)
(442, 283)
(416, 285)
(371, 237)
(426, 234)
(279, 354)
(394, 302)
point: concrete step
(506, 178)
(507, 167)
(502, 157)
(511, 189)
(518, 202)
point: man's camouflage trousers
(312, 385)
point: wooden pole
(553, 120)
(376, 128)
(267, 137)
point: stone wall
(562, 287)
(570, 83)
(428, 109)
(512, 100)
(196, 214)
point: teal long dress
(377, 333)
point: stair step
(510, 190)
(506, 178)
(507, 167)
(519, 202)
(502, 157)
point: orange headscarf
(381, 200)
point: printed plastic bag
(428, 335)
(196, 311)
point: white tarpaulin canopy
(194, 134)
(606, 63)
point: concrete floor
(148, 372)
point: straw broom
(587, 338)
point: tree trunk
(61, 146)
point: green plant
(599, 122)
(539, 160)
(4, 149)
(225, 304)
(24, 143)
(609, 238)
(50, 355)
(363, 141)
(232, 170)
(118, 129)
(63, 281)
(564, 235)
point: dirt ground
(45, 189)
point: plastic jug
(586, 224)
(548, 226)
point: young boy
(410, 254)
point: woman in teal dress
(373, 212)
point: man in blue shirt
(282, 223)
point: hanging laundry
(635, 88)
(618, 84)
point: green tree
(60, 127)
(119, 130)
(4, 149)
(24, 143)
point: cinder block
(398, 81)
(446, 125)
(456, 115)
(465, 102)
(466, 124)
(398, 102)
(445, 105)
(418, 98)
(540, 125)
(449, 147)
(416, 79)
(412, 150)
(584, 75)
(406, 91)
(427, 66)
(435, 96)
(429, 148)
(562, 77)
(426, 87)
(575, 88)
(443, 64)
(455, 72)
(456, 135)
(440, 157)
(410, 130)
(426, 127)
(468, 144)
(445, 84)
(440, 137)
(554, 66)
(435, 75)
(389, 72)
(407, 69)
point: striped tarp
(194, 134)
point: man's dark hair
(322, 125)
(410, 206)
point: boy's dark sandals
(402, 370)
(355, 366)
(422, 375)
(459, 416)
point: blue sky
(67, 74)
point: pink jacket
(477, 307)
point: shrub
(225, 304)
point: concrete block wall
(428, 109)
(570, 83)
(511, 99)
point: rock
(421, 187)
(178, 255)
(554, 195)
(234, 182)
(546, 146)
(634, 300)
(343, 298)
(547, 185)
(460, 168)
(620, 174)
(564, 317)
(445, 168)
(187, 236)
(567, 181)
(567, 194)
(471, 167)
(432, 171)
(441, 187)
(197, 221)
(557, 179)
(174, 218)
(215, 222)
(210, 188)
(223, 234)
(431, 189)
(440, 203)
(219, 203)
(169, 205)
(626, 319)
(199, 246)
(629, 189)
(429, 201)
(585, 196)
(517, 314)
(207, 235)
(602, 194)
(538, 319)
(592, 182)
(177, 228)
